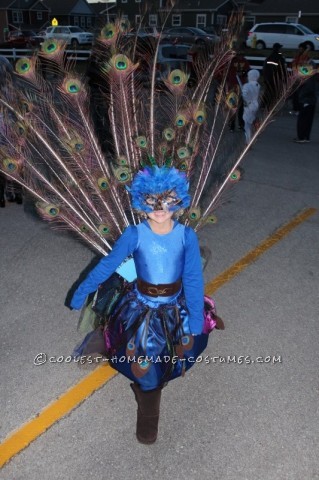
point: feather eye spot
(79, 147)
(23, 66)
(73, 87)
(232, 100)
(305, 70)
(121, 62)
(10, 165)
(50, 46)
(235, 176)
(25, 107)
(122, 161)
(104, 229)
(48, 210)
(108, 31)
(177, 79)
(169, 134)
(122, 174)
(168, 162)
(141, 142)
(185, 340)
(183, 166)
(20, 129)
(200, 117)
(103, 183)
(180, 121)
(74, 144)
(194, 214)
(211, 219)
(144, 365)
(84, 228)
(53, 211)
(183, 152)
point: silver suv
(289, 35)
(73, 36)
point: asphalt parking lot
(249, 412)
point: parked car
(189, 35)
(23, 39)
(289, 35)
(169, 57)
(73, 36)
(142, 32)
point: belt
(160, 290)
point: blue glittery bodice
(160, 258)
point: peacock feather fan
(76, 141)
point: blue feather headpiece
(155, 181)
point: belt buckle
(157, 291)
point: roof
(5, 4)
(284, 7)
(100, 7)
(65, 7)
(200, 5)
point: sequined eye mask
(163, 201)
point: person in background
(307, 98)
(274, 75)
(302, 57)
(236, 78)
(251, 97)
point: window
(249, 21)
(124, 1)
(76, 21)
(176, 20)
(200, 21)
(152, 20)
(17, 16)
(39, 16)
(138, 19)
(82, 19)
(137, 1)
(89, 21)
(221, 20)
(291, 30)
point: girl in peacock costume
(156, 329)
(166, 156)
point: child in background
(251, 96)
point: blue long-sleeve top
(159, 259)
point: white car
(73, 36)
(289, 35)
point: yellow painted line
(245, 261)
(28, 432)
(22, 437)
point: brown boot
(147, 413)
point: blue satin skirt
(150, 342)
